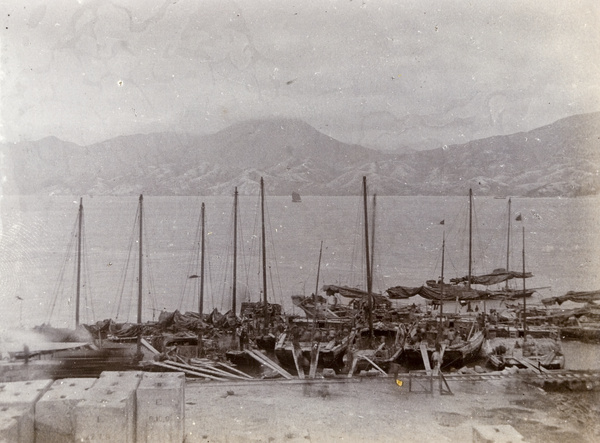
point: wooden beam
(149, 347)
(237, 371)
(187, 371)
(425, 358)
(213, 371)
(314, 360)
(438, 364)
(374, 365)
(297, 354)
(263, 359)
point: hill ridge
(559, 159)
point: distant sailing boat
(296, 197)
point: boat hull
(533, 353)
(588, 335)
(328, 358)
(456, 355)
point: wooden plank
(187, 371)
(314, 360)
(213, 371)
(438, 364)
(237, 371)
(273, 365)
(269, 363)
(528, 364)
(148, 346)
(425, 358)
(297, 353)
(374, 365)
(355, 359)
(217, 371)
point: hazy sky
(379, 73)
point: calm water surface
(561, 249)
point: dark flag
(442, 222)
(518, 217)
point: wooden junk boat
(458, 338)
(537, 348)
(329, 337)
(526, 347)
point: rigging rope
(59, 288)
(193, 265)
(88, 295)
(150, 276)
(274, 259)
(126, 268)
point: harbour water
(37, 275)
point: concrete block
(107, 411)
(161, 407)
(496, 434)
(16, 424)
(54, 415)
(23, 392)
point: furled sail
(344, 291)
(494, 278)
(400, 292)
(451, 292)
(578, 297)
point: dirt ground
(378, 410)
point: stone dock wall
(117, 407)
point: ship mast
(373, 233)
(202, 249)
(524, 295)
(234, 287)
(508, 244)
(318, 272)
(139, 312)
(368, 264)
(470, 238)
(78, 294)
(441, 323)
(442, 277)
(264, 254)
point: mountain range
(560, 159)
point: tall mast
(470, 238)
(201, 290)
(442, 277)
(264, 253)
(369, 277)
(314, 325)
(318, 272)
(373, 234)
(508, 244)
(441, 322)
(234, 288)
(524, 297)
(77, 298)
(139, 313)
